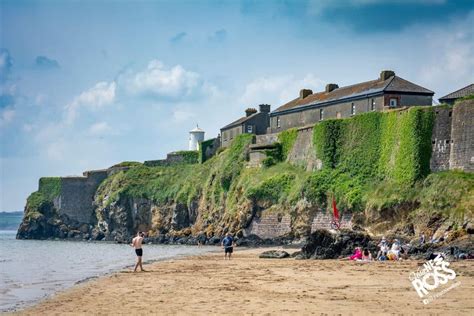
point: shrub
(273, 189)
(286, 140)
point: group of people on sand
(227, 244)
(386, 252)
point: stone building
(458, 94)
(252, 123)
(386, 92)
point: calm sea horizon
(31, 270)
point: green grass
(372, 161)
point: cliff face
(376, 165)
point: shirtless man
(137, 244)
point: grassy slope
(374, 160)
(366, 167)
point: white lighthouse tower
(196, 136)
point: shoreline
(206, 284)
(50, 276)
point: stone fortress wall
(452, 148)
(452, 141)
(76, 198)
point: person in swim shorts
(137, 244)
(228, 245)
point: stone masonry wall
(77, 195)
(323, 220)
(462, 137)
(303, 153)
(266, 139)
(441, 140)
(269, 225)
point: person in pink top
(357, 254)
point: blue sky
(85, 85)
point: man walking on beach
(228, 245)
(137, 244)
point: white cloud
(450, 64)
(6, 116)
(278, 90)
(182, 115)
(174, 83)
(100, 128)
(6, 64)
(102, 94)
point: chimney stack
(385, 74)
(305, 92)
(331, 86)
(250, 111)
(264, 108)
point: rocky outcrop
(323, 244)
(274, 254)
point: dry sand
(207, 284)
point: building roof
(240, 121)
(392, 84)
(463, 92)
(196, 130)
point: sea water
(33, 269)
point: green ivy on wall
(287, 140)
(394, 146)
(189, 156)
(203, 146)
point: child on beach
(366, 255)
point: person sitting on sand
(228, 245)
(394, 252)
(383, 249)
(357, 254)
(366, 255)
(137, 244)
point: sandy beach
(247, 285)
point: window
(321, 114)
(393, 102)
(249, 129)
(278, 122)
(224, 134)
(231, 134)
(372, 105)
(353, 109)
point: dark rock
(182, 240)
(97, 234)
(249, 241)
(295, 254)
(322, 244)
(274, 254)
(84, 228)
(214, 240)
(180, 217)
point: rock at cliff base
(274, 254)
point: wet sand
(206, 284)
